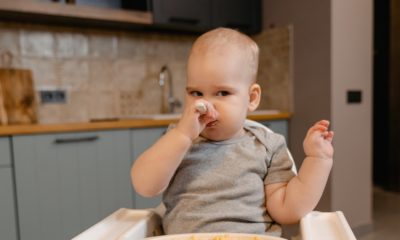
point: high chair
(135, 224)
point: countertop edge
(26, 129)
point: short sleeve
(280, 167)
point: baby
(219, 172)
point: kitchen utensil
(17, 96)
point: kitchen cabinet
(237, 14)
(141, 140)
(8, 222)
(100, 3)
(181, 15)
(68, 182)
(5, 156)
(73, 15)
(278, 126)
(187, 14)
(202, 15)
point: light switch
(354, 96)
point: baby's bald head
(219, 41)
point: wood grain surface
(17, 97)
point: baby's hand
(318, 141)
(195, 117)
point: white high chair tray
(215, 236)
(325, 225)
(133, 224)
(124, 224)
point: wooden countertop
(10, 130)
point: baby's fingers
(321, 126)
(328, 135)
(206, 110)
(201, 107)
(323, 123)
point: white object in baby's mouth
(201, 107)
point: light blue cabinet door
(5, 152)
(8, 229)
(68, 182)
(141, 140)
(278, 126)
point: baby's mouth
(212, 124)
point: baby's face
(220, 80)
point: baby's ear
(255, 97)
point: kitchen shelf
(68, 14)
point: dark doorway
(386, 152)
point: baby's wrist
(182, 134)
(326, 159)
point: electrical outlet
(52, 96)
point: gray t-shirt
(219, 186)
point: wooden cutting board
(17, 97)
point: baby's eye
(196, 93)
(223, 93)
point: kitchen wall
(114, 74)
(333, 54)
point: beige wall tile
(103, 104)
(166, 48)
(36, 43)
(73, 111)
(44, 70)
(147, 98)
(74, 74)
(126, 104)
(71, 45)
(129, 73)
(109, 74)
(103, 45)
(132, 103)
(77, 107)
(274, 74)
(9, 41)
(179, 81)
(101, 75)
(132, 45)
(49, 113)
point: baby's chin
(214, 139)
(212, 136)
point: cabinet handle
(190, 21)
(76, 140)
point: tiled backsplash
(114, 74)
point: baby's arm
(153, 169)
(288, 202)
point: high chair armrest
(125, 224)
(325, 225)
